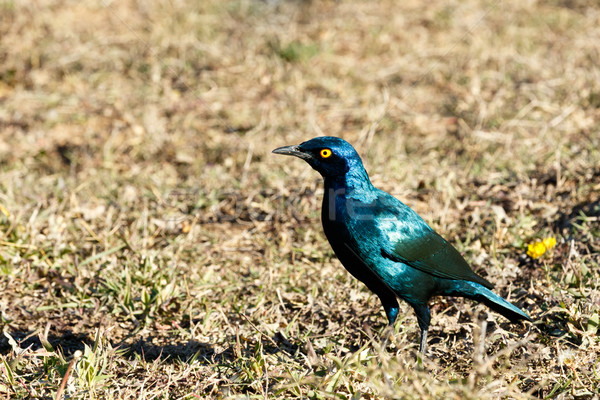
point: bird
(385, 244)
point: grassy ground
(144, 222)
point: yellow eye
(325, 153)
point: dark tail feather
(495, 302)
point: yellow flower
(549, 242)
(537, 249)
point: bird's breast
(349, 223)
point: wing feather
(411, 241)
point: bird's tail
(480, 293)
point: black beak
(292, 151)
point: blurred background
(144, 221)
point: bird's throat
(344, 193)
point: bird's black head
(331, 156)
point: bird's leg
(387, 333)
(423, 317)
(390, 306)
(423, 346)
(391, 311)
(422, 349)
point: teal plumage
(384, 243)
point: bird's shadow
(149, 348)
(67, 341)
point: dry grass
(144, 222)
